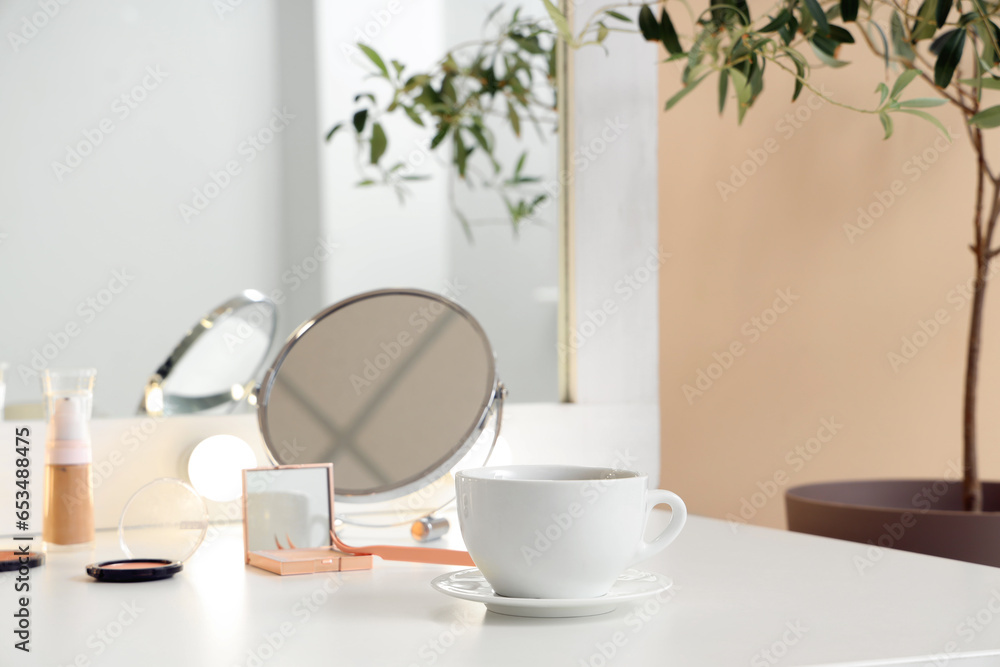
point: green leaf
(744, 93)
(777, 22)
(886, 124)
(990, 84)
(364, 183)
(514, 119)
(520, 165)
(930, 119)
(379, 143)
(822, 25)
(841, 35)
(333, 130)
(668, 35)
(562, 25)
(414, 116)
(899, 43)
(375, 58)
(883, 91)
(885, 44)
(742, 11)
(442, 132)
(825, 44)
(824, 57)
(849, 10)
(741, 85)
(987, 118)
(789, 31)
(902, 81)
(800, 75)
(942, 11)
(683, 92)
(921, 103)
(647, 25)
(602, 34)
(461, 153)
(926, 24)
(990, 36)
(951, 55)
(756, 79)
(484, 143)
(723, 89)
(359, 120)
(616, 15)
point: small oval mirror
(394, 387)
(215, 365)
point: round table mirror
(395, 388)
(214, 367)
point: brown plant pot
(924, 516)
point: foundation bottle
(69, 493)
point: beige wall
(826, 357)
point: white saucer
(471, 585)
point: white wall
(64, 238)
(613, 153)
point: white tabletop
(753, 596)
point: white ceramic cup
(556, 531)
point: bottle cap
(68, 435)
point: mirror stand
(430, 526)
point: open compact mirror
(396, 388)
(288, 521)
(215, 365)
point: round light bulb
(216, 465)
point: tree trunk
(972, 490)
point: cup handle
(673, 529)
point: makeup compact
(288, 521)
(162, 525)
(13, 559)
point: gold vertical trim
(567, 292)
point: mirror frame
(196, 404)
(492, 400)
